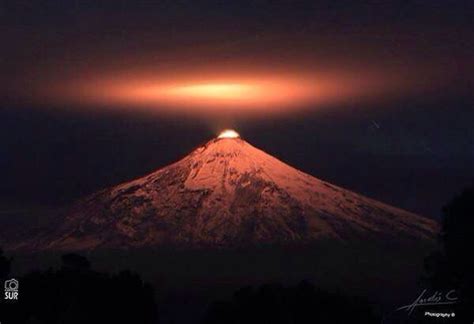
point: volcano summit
(228, 193)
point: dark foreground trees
(77, 294)
(453, 266)
(5, 264)
(276, 304)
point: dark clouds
(50, 42)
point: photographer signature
(437, 298)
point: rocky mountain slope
(228, 193)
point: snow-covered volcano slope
(228, 193)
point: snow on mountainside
(228, 193)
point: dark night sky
(414, 149)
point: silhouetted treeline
(77, 294)
(275, 304)
(5, 264)
(453, 266)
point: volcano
(227, 193)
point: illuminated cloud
(210, 95)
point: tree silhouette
(453, 266)
(76, 294)
(279, 305)
(74, 262)
(5, 265)
(458, 234)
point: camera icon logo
(11, 289)
(11, 285)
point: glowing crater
(228, 133)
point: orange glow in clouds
(206, 95)
(216, 91)
(217, 95)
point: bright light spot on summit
(228, 133)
